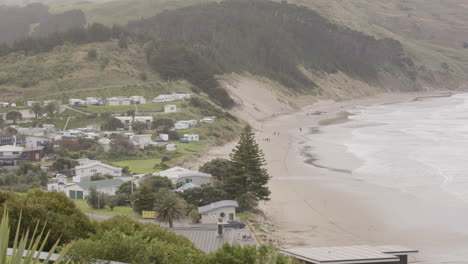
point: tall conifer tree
(246, 173)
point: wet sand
(316, 202)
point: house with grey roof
(209, 240)
(80, 190)
(182, 175)
(222, 210)
(352, 254)
(94, 167)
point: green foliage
(163, 124)
(217, 168)
(30, 243)
(113, 124)
(170, 208)
(63, 164)
(95, 199)
(126, 188)
(236, 36)
(235, 254)
(124, 240)
(246, 173)
(176, 61)
(27, 176)
(139, 127)
(14, 116)
(146, 197)
(204, 195)
(52, 109)
(50, 210)
(156, 183)
(36, 109)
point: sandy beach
(315, 203)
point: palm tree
(169, 208)
(23, 250)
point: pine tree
(145, 198)
(246, 173)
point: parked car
(234, 224)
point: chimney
(220, 228)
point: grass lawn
(118, 210)
(139, 166)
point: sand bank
(316, 202)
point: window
(188, 180)
(222, 214)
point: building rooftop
(349, 254)
(91, 164)
(217, 205)
(187, 186)
(100, 184)
(207, 239)
(8, 148)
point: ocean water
(419, 147)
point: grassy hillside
(67, 72)
(431, 31)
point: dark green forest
(272, 39)
(16, 22)
(258, 36)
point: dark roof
(100, 184)
(207, 239)
(217, 205)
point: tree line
(117, 239)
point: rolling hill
(407, 47)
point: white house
(181, 175)
(31, 103)
(48, 127)
(224, 210)
(142, 141)
(33, 142)
(128, 120)
(119, 100)
(164, 98)
(171, 147)
(94, 101)
(181, 125)
(170, 108)
(76, 102)
(163, 137)
(192, 137)
(52, 102)
(136, 99)
(93, 168)
(4, 104)
(208, 119)
(81, 190)
(9, 152)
